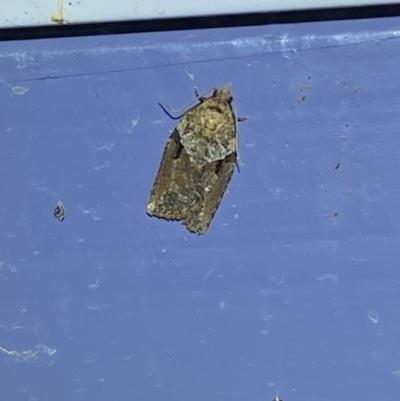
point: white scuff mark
(17, 90)
(158, 122)
(95, 307)
(28, 355)
(191, 76)
(275, 192)
(21, 59)
(373, 315)
(134, 123)
(94, 212)
(396, 372)
(208, 274)
(105, 164)
(197, 293)
(105, 146)
(9, 129)
(243, 46)
(328, 276)
(39, 185)
(266, 316)
(222, 304)
(94, 286)
(91, 359)
(358, 259)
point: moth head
(224, 94)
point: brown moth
(198, 163)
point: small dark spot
(332, 215)
(337, 166)
(60, 212)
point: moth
(198, 162)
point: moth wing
(199, 220)
(172, 193)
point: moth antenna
(237, 165)
(203, 97)
(169, 111)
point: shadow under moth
(198, 163)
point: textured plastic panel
(295, 288)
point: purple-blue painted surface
(296, 286)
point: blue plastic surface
(296, 286)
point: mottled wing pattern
(173, 193)
(202, 214)
(208, 131)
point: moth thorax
(224, 94)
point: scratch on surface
(187, 54)
(29, 355)
(17, 90)
(39, 185)
(106, 146)
(105, 164)
(328, 276)
(191, 76)
(358, 259)
(91, 359)
(134, 123)
(94, 286)
(208, 274)
(373, 315)
(94, 212)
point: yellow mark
(29, 355)
(59, 17)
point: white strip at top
(30, 13)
